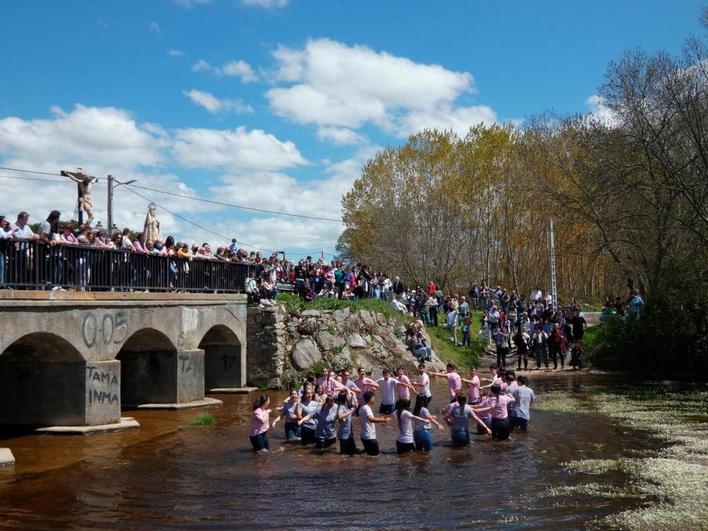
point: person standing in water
(260, 424)
(459, 417)
(474, 384)
(368, 424)
(519, 414)
(500, 414)
(326, 430)
(345, 434)
(454, 381)
(307, 408)
(405, 442)
(422, 429)
(364, 383)
(288, 412)
(422, 385)
(388, 392)
(404, 387)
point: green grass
(204, 419)
(296, 303)
(462, 357)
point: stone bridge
(77, 359)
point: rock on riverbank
(283, 345)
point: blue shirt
(523, 398)
(345, 425)
(310, 409)
(326, 421)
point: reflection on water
(171, 474)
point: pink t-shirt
(455, 383)
(329, 385)
(487, 402)
(474, 389)
(364, 385)
(404, 393)
(260, 422)
(499, 410)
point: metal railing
(36, 265)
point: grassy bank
(296, 303)
(462, 357)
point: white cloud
(154, 27)
(175, 53)
(600, 111)
(459, 119)
(340, 135)
(235, 68)
(315, 197)
(92, 137)
(267, 4)
(331, 84)
(215, 105)
(239, 69)
(235, 150)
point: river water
(172, 474)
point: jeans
(522, 424)
(260, 442)
(423, 440)
(501, 356)
(423, 353)
(347, 446)
(292, 431)
(2, 266)
(466, 337)
(386, 409)
(460, 438)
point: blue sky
(276, 104)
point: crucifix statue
(84, 183)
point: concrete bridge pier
(155, 375)
(46, 382)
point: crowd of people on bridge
(323, 411)
(15, 240)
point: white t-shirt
(388, 390)
(368, 428)
(424, 380)
(406, 426)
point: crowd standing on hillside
(323, 411)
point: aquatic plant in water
(203, 419)
(674, 480)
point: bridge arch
(148, 368)
(222, 359)
(42, 382)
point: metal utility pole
(110, 205)
(111, 187)
(552, 257)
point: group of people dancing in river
(322, 411)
